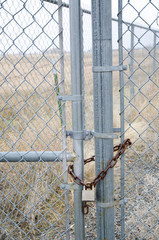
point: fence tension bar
(99, 69)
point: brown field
(30, 121)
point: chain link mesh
(32, 203)
(141, 118)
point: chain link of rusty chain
(120, 149)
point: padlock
(88, 195)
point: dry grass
(30, 121)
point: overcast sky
(21, 32)
(130, 13)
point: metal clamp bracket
(112, 204)
(77, 135)
(101, 69)
(117, 130)
(87, 135)
(72, 98)
(105, 135)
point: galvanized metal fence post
(103, 114)
(154, 53)
(121, 78)
(63, 115)
(77, 110)
(131, 65)
(82, 68)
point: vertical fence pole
(154, 53)
(121, 77)
(82, 62)
(103, 114)
(131, 65)
(63, 114)
(77, 110)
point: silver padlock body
(88, 195)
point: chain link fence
(141, 55)
(32, 147)
(35, 63)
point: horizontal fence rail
(35, 156)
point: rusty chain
(120, 149)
